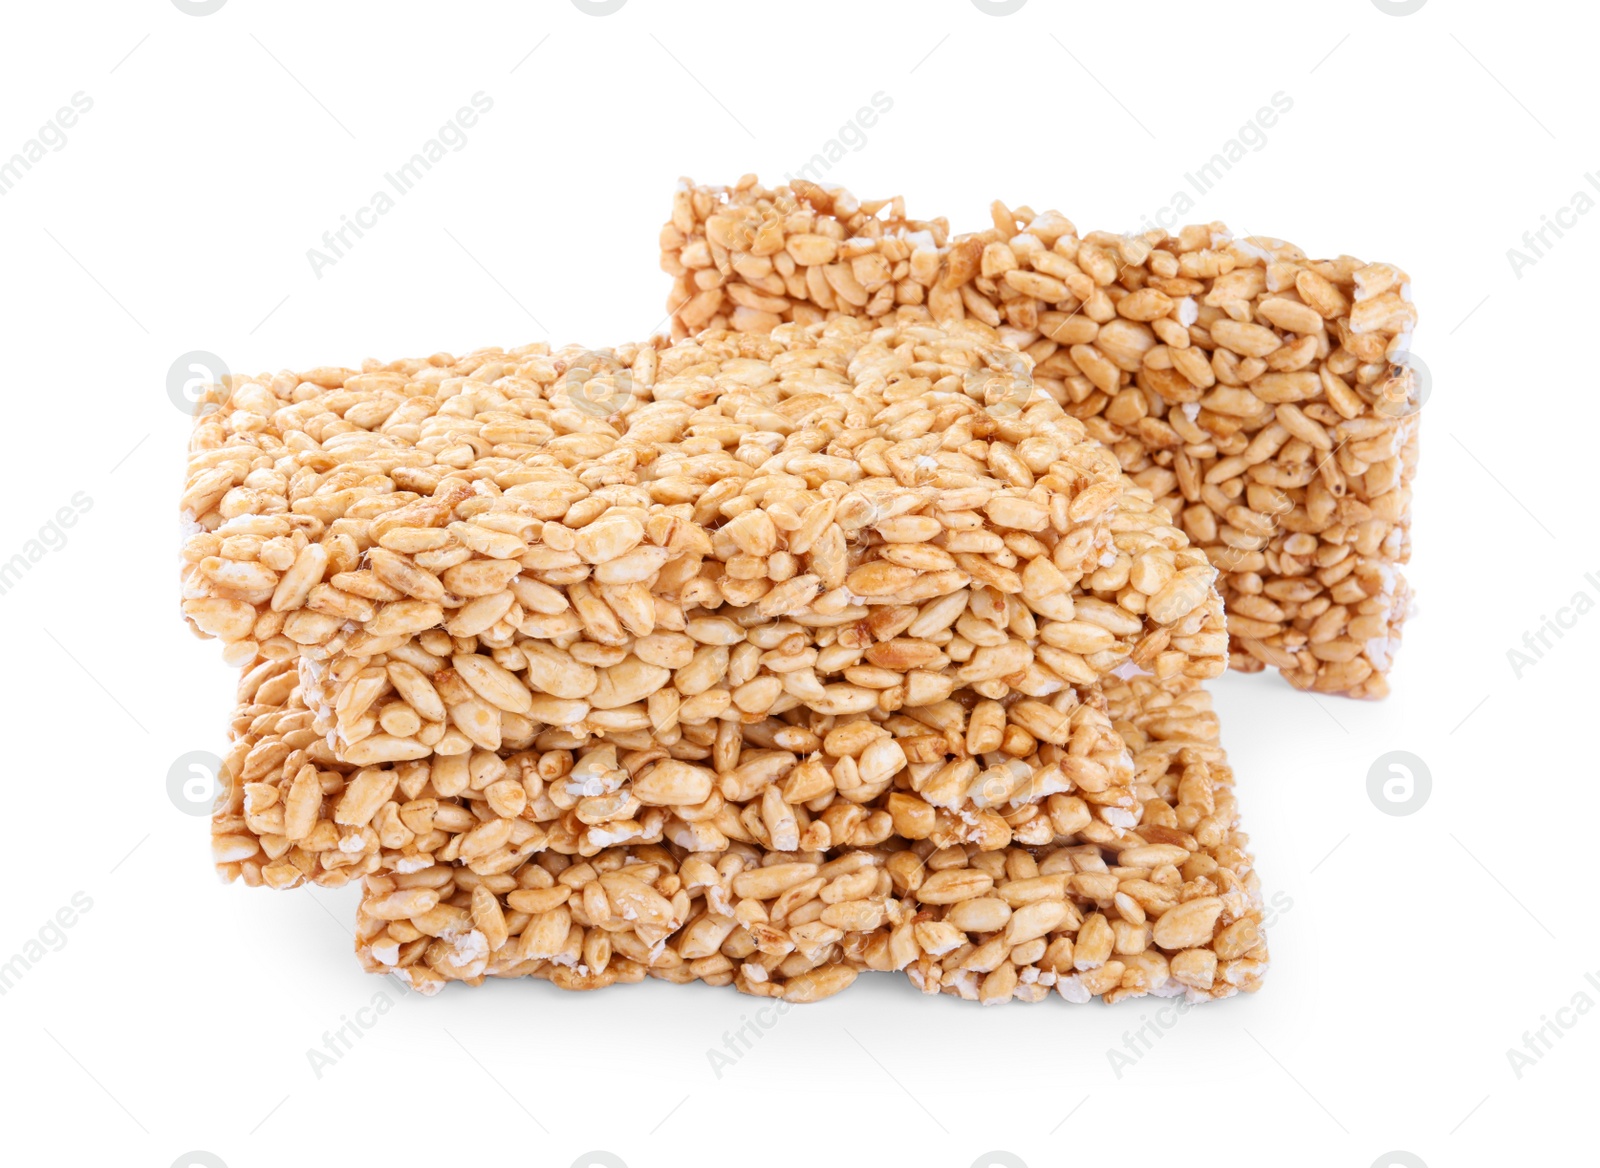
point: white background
(1409, 952)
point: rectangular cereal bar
(963, 770)
(1261, 397)
(883, 549)
(756, 524)
(1170, 906)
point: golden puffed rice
(825, 518)
(965, 770)
(1260, 396)
(1170, 907)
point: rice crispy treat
(964, 770)
(1261, 397)
(760, 660)
(836, 518)
(1168, 907)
